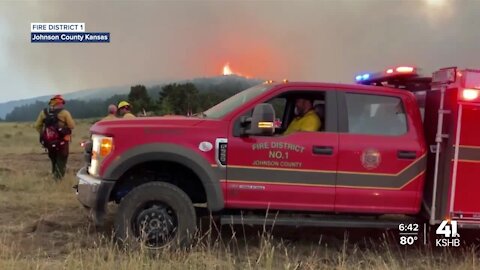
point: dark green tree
(181, 99)
(139, 99)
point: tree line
(176, 98)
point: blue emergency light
(362, 77)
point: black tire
(165, 206)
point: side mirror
(244, 121)
(261, 122)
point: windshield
(231, 103)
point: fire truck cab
(450, 106)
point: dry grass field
(42, 226)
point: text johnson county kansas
(70, 37)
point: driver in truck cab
(306, 119)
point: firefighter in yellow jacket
(124, 110)
(307, 119)
(55, 125)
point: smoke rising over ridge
(298, 40)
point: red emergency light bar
(403, 77)
(368, 78)
(401, 70)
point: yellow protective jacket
(109, 117)
(128, 115)
(308, 122)
(65, 120)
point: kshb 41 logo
(449, 230)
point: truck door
(289, 172)
(382, 154)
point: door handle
(322, 150)
(406, 154)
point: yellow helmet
(123, 104)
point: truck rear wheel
(156, 215)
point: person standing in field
(112, 113)
(55, 125)
(124, 110)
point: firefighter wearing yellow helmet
(124, 110)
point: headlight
(102, 147)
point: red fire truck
(450, 105)
(395, 148)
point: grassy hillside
(42, 226)
(215, 84)
(89, 94)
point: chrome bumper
(93, 193)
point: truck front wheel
(156, 214)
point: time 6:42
(410, 227)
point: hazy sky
(299, 40)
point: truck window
(284, 106)
(375, 115)
(278, 104)
(231, 103)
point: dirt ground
(39, 215)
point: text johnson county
(70, 37)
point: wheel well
(161, 171)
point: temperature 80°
(408, 240)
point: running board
(324, 221)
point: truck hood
(174, 121)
